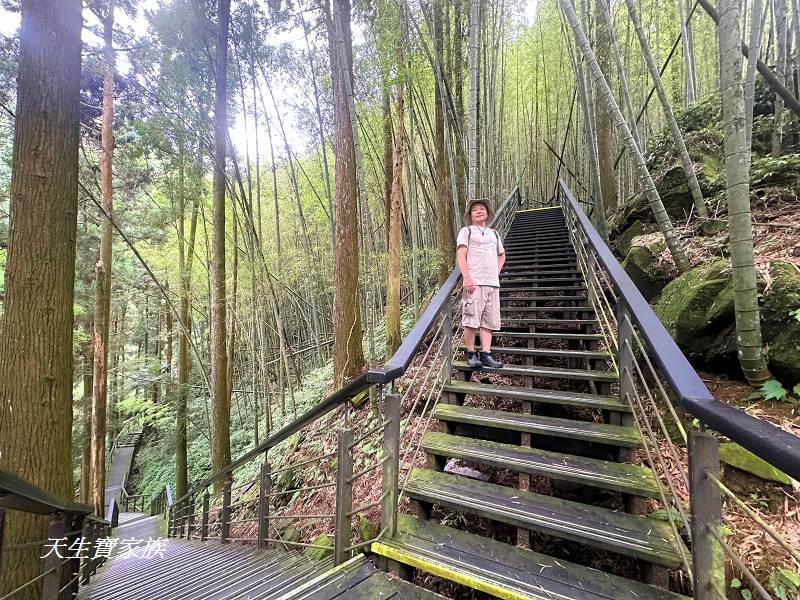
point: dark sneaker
(473, 361)
(488, 361)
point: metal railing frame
(182, 510)
(772, 444)
(61, 577)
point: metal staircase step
(588, 431)
(523, 265)
(607, 475)
(527, 394)
(623, 533)
(510, 279)
(538, 298)
(553, 372)
(548, 352)
(549, 335)
(535, 272)
(504, 571)
(549, 322)
(581, 291)
(357, 579)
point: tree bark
(348, 355)
(102, 303)
(472, 154)
(396, 206)
(603, 126)
(444, 195)
(645, 179)
(36, 329)
(388, 150)
(88, 386)
(220, 406)
(780, 73)
(677, 136)
(745, 290)
(756, 29)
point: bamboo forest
(411, 299)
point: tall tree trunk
(780, 73)
(444, 196)
(689, 76)
(36, 329)
(756, 29)
(220, 406)
(348, 355)
(645, 179)
(102, 303)
(86, 453)
(677, 136)
(396, 206)
(472, 154)
(591, 147)
(386, 121)
(603, 126)
(458, 81)
(737, 167)
(185, 261)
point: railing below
(662, 388)
(71, 525)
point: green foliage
(785, 583)
(773, 390)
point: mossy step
(356, 579)
(587, 431)
(504, 571)
(548, 352)
(553, 372)
(526, 394)
(607, 475)
(543, 335)
(623, 533)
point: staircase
(558, 444)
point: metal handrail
(394, 368)
(20, 495)
(770, 443)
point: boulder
(641, 265)
(696, 307)
(625, 239)
(780, 329)
(367, 530)
(322, 547)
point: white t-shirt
(483, 248)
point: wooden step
(538, 273)
(540, 298)
(549, 322)
(542, 335)
(516, 265)
(527, 394)
(553, 372)
(588, 431)
(548, 352)
(623, 533)
(504, 571)
(509, 279)
(579, 289)
(607, 475)
(356, 579)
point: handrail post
(447, 345)
(204, 517)
(51, 583)
(86, 572)
(391, 469)
(708, 556)
(190, 518)
(76, 523)
(625, 352)
(344, 496)
(170, 517)
(263, 503)
(225, 525)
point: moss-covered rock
(322, 547)
(367, 530)
(780, 329)
(641, 265)
(734, 455)
(696, 306)
(625, 239)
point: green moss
(780, 330)
(625, 239)
(640, 265)
(367, 530)
(694, 304)
(323, 547)
(734, 455)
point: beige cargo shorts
(481, 308)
